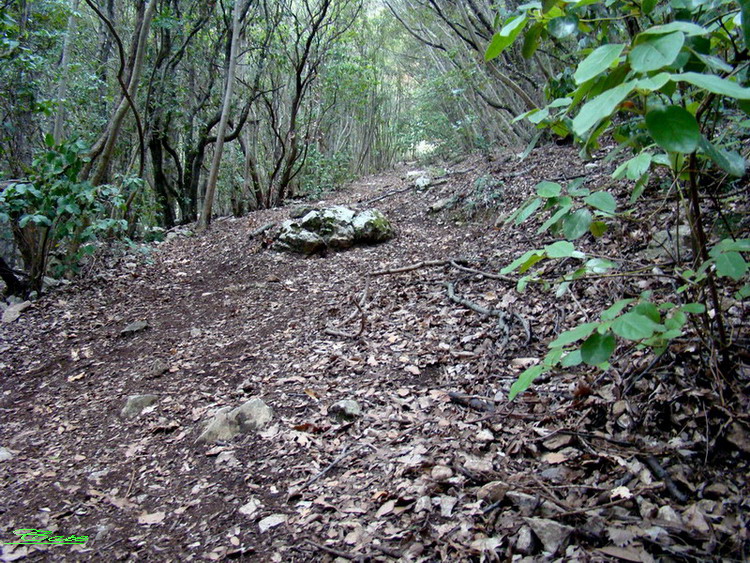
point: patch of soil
(637, 464)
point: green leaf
(560, 249)
(599, 60)
(694, 308)
(600, 107)
(648, 310)
(745, 11)
(688, 28)
(674, 129)
(599, 265)
(615, 309)
(528, 211)
(554, 219)
(49, 140)
(577, 224)
(573, 335)
(520, 260)
(562, 27)
(656, 52)
(598, 348)
(603, 201)
(548, 189)
(647, 6)
(572, 359)
(653, 83)
(531, 40)
(731, 265)
(713, 83)
(528, 264)
(525, 380)
(729, 161)
(505, 37)
(633, 326)
(547, 5)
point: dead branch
(337, 553)
(481, 273)
(259, 231)
(662, 474)
(358, 305)
(471, 402)
(417, 266)
(384, 196)
(501, 315)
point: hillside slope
(438, 466)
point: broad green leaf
(598, 348)
(743, 292)
(633, 326)
(694, 308)
(599, 60)
(548, 189)
(712, 62)
(731, 265)
(647, 6)
(714, 84)
(528, 211)
(653, 83)
(729, 161)
(648, 310)
(573, 335)
(530, 262)
(577, 224)
(674, 129)
(745, 11)
(560, 249)
(531, 40)
(656, 52)
(572, 359)
(599, 265)
(525, 380)
(547, 5)
(600, 107)
(520, 260)
(505, 37)
(739, 245)
(559, 214)
(688, 28)
(615, 309)
(603, 201)
(562, 27)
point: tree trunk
(62, 87)
(205, 218)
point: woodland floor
(639, 464)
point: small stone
(12, 313)
(222, 427)
(718, 491)
(478, 465)
(345, 410)
(668, 514)
(252, 415)
(552, 534)
(441, 473)
(525, 541)
(493, 491)
(157, 368)
(442, 204)
(271, 522)
(136, 403)
(5, 454)
(134, 327)
(556, 474)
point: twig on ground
(338, 553)
(411, 267)
(499, 313)
(344, 453)
(481, 273)
(471, 402)
(358, 305)
(261, 230)
(384, 196)
(661, 473)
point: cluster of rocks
(314, 230)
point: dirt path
(417, 476)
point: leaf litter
(640, 464)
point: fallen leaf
(149, 519)
(271, 522)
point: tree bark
(208, 202)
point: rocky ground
(390, 436)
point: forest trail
(420, 475)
